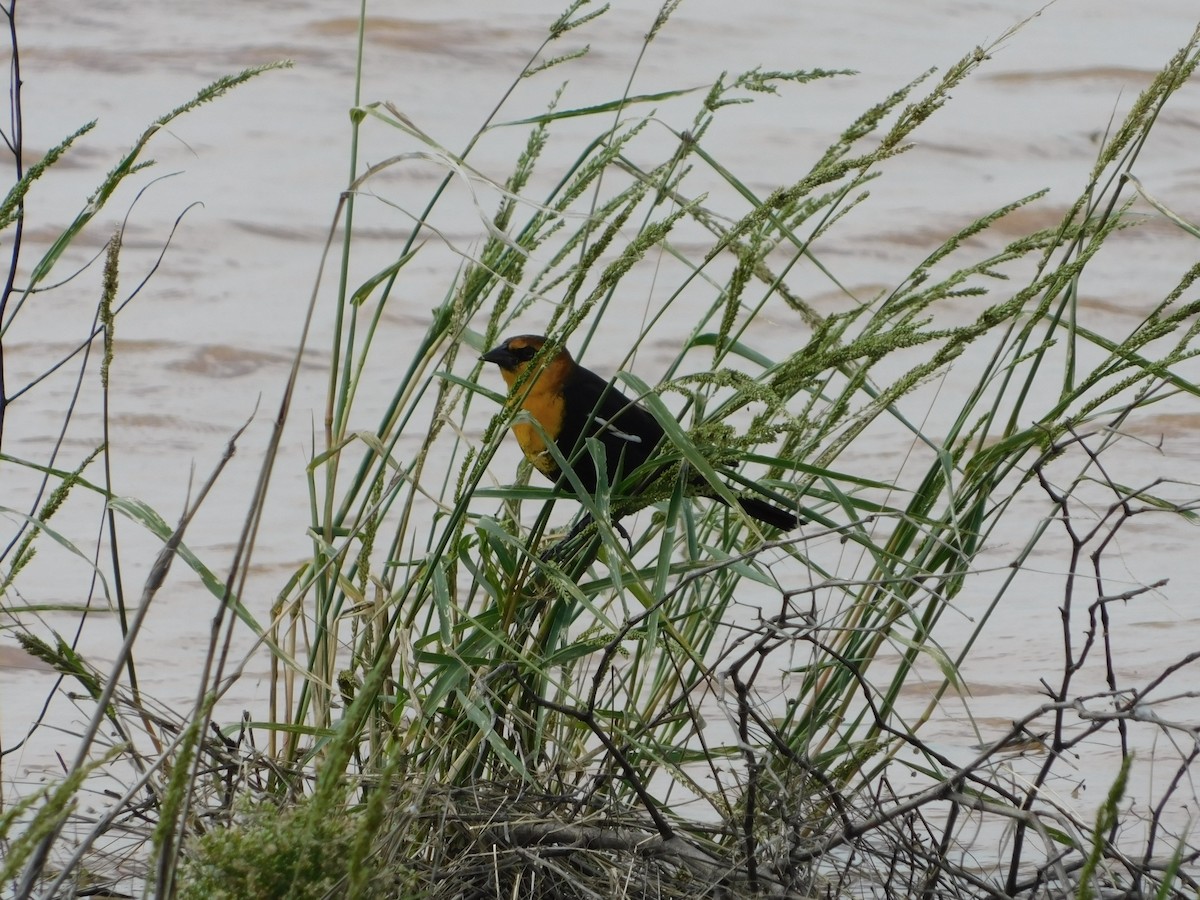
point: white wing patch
(623, 435)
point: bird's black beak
(501, 356)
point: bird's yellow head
(514, 355)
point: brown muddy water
(206, 344)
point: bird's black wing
(597, 408)
(630, 434)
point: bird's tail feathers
(768, 513)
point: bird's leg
(623, 533)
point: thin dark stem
(14, 143)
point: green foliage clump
(299, 852)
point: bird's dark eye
(523, 352)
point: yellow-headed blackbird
(572, 404)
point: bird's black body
(627, 431)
